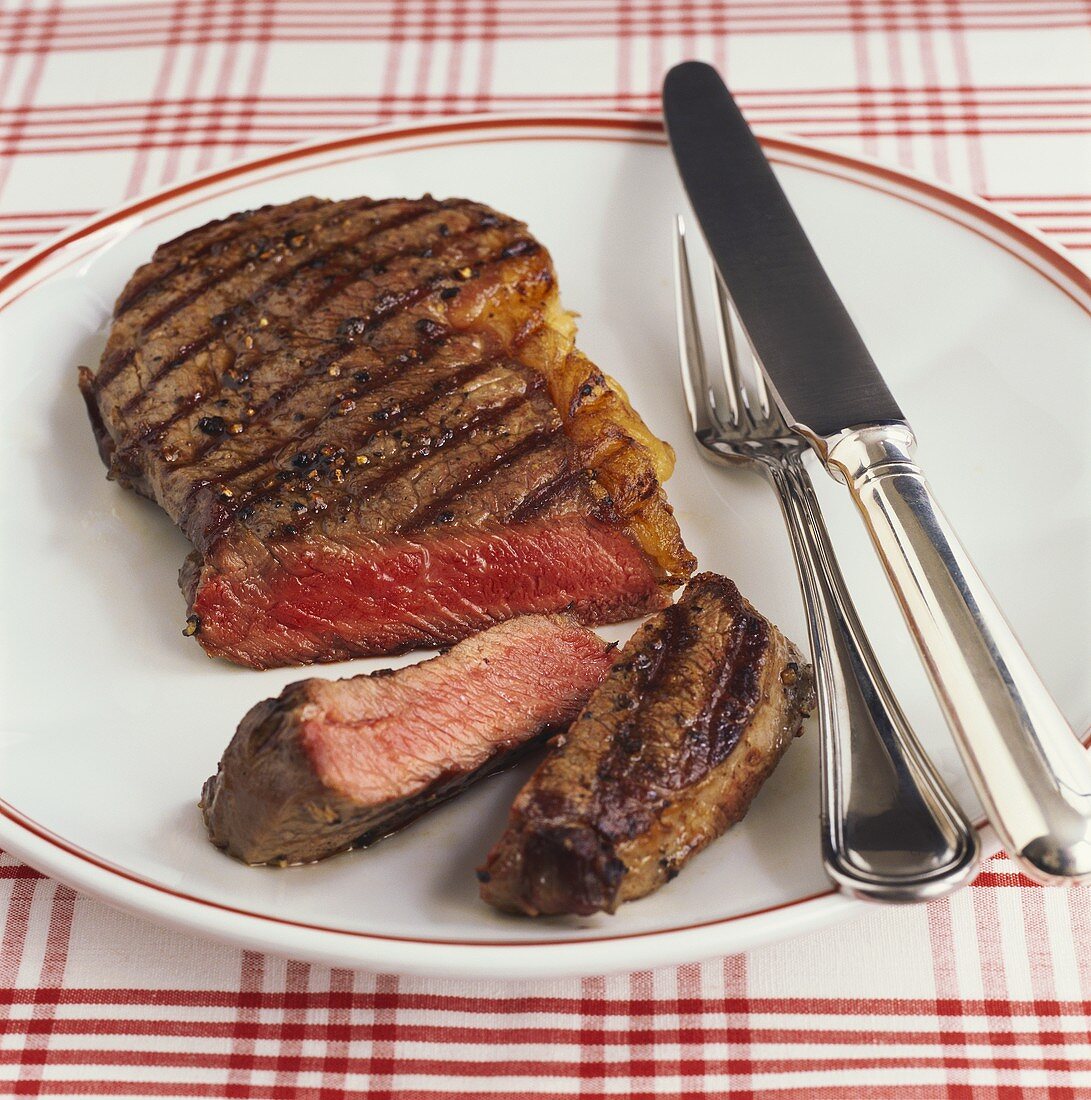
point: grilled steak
(669, 751)
(329, 765)
(370, 419)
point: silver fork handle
(890, 829)
(1030, 771)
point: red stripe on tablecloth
(13, 941)
(115, 41)
(654, 48)
(1043, 982)
(992, 965)
(590, 1070)
(1008, 877)
(623, 47)
(381, 1059)
(906, 96)
(866, 107)
(15, 32)
(289, 1061)
(425, 40)
(691, 1050)
(213, 117)
(585, 18)
(392, 67)
(486, 37)
(948, 1003)
(243, 1030)
(747, 1040)
(238, 32)
(451, 96)
(42, 44)
(256, 76)
(652, 15)
(118, 1088)
(35, 1052)
(738, 1007)
(130, 14)
(337, 1047)
(286, 1068)
(177, 131)
(638, 1043)
(165, 71)
(251, 996)
(903, 147)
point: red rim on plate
(972, 214)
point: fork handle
(890, 829)
(1032, 774)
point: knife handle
(1031, 772)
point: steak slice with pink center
(334, 764)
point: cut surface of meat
(371, 420)
(332, 764)
(667, 754)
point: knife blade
(800, 329)
(1030, 771)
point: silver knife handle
(1032, 774)
(891, 830)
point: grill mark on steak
(736, 695)
(540, 498)
(476, 478)
(648, 665)
(732, 694)
(314, 261)
(238, 225)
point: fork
(891, 830)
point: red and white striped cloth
(985, 996)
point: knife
(1031, 772)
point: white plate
(111, 720)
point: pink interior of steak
(376, 739)
(314, 598)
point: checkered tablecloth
(987, 995)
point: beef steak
(370, 418)
(329, 765)
(668, 752)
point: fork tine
(710, 405)
(733, 345)
(735, 348)
(691, 355)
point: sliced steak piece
(371, 420)
(668, 753)
(333, 764)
